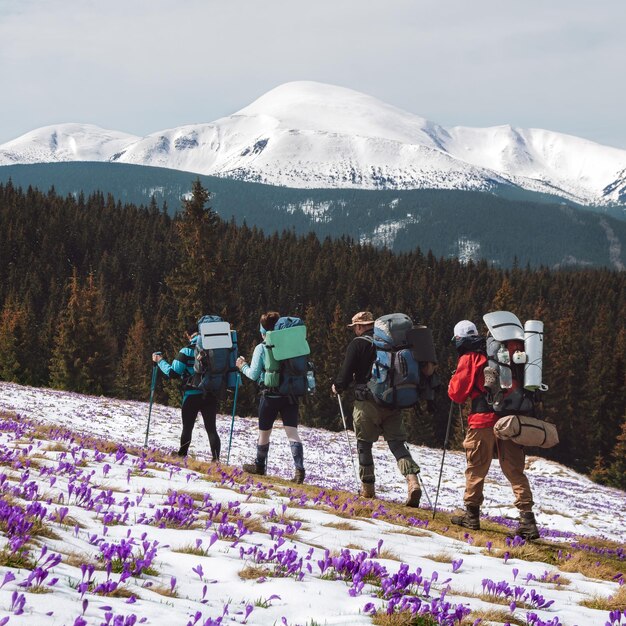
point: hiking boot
(254, 468)
(527, 528)
(299, 476)
(368, 490)
(414, 493)
(471, 518)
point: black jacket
(357, 363)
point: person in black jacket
(372, 420)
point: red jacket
(468, 382)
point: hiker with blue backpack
(370, 363)
(279, 365)
(205, 366)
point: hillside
(96, 530)
(468, 225)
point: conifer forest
(89, 288)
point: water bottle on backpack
(504, 360)
(310, 377)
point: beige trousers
(481, 446)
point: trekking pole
(419, 477)
(445, 445)
(232, 422)
(461, 418)
(345, 430)
(152, 388)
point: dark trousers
(207, 406)
(271, 406)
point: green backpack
(285, 355)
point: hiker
(481, 444)
(271, 405)
(371, 420)
(194, 400)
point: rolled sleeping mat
(533, 346)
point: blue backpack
(287, 376)
(215, 354)
(395, 377)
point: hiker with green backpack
(280, 368)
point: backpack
(395, 377)
(214, 356)
(507, 391)
(285, 354)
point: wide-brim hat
(362, 317)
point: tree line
(89, 288)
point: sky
(142, 66)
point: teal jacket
(182, 367)
(256, 369)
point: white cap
(465, 328)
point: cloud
(145, 65)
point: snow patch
(467, 250)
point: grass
(120, 592)
(493, 616)
(75, 559)
(191, 549)
(610, 603)
(196, 496)
(253, 572)
(39, 589)
(403, 618)
(440, 557)
(388, 554)
(411, 532)
(17, 560)
(253, 523)
(165, 590)
(117, 567)
(340, 525)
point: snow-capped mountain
(313, 135)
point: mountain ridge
(311, 135)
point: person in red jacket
(481, 444)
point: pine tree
(334, 347)
(503, 300)
(616, 470)
(192, 282)
(85, 349)
(18, 360)
(133, 378)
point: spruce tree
(193, 281)
(18, 360)
(133, 378)
(616, 470)
(85, 349)
(503, 300)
